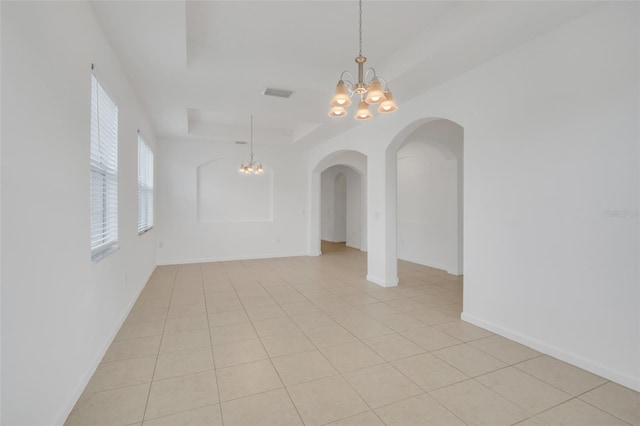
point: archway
(409, 132)
(353, 165)
(430, 196)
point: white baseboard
(229, 258)
(94, 365)
(559, 353)
(381, 282)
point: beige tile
(420, 410)
(463, 331)
(381, 385)
(257, 301)
(183, 393)
(132, 348)
(429, 372)
(118, 406)
(183, 324)
(385, 295)
(313, 320)
(405, 305)
(357, 299)
(217, 305)
(351, 356)
(179, 311)
(366, 328)
(140, 329)
(232, 333)
(564, 376)
(402, 322)
(268, 408)
(266, 312)
(234, 353)
(525, 391)
(326, 400)
(532, 421)
(300, 308)
(368, 418)
(303, 367)
(579, 413)
(247, 379)
(617, 400)
(119, 374)
(477, 405)
(379, 311)
(180, 363)
(429, 338)
(209, 416)
(393, 346)
(329, 335)
(285, 344)
(275, 326)
(228, 318)
(469, 360)
(146, 314)
(432, 316)
(504, 349)
(188, 340)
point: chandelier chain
(360, 2)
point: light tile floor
(308, 341)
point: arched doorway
(430, 196)
(407, 134)
(351, 215)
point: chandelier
(368, 86)
(251, 167)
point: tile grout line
(144, 413)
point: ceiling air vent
(241, 142)
(279, 93)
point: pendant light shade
(375, 95)
(341, 96)
(337, 111)
(388, 105)
(363, 111)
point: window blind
(145, 186)
(103, 171)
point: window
(104, 172)
(145, 187)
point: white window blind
(145, 186)
(104, 171)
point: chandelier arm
(347, 80)
(386, 86)
(366, 73)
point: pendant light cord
(252, 137)
(360, 2)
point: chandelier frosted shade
(368, 85)
(363, 111)
(388, 105)
(341, 96)
(337, 111)
(375, 94)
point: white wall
(59, 310)
(342, 222)
(430, 196)
(551, 148)
(183, 237)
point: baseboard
(94, 365)
(381, 282)
(559, 353)
(229, 258)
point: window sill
(97, 257)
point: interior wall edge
(551, 350)
(164, 262)
(96, 362)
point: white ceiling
(199, 67)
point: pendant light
(251, 167)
